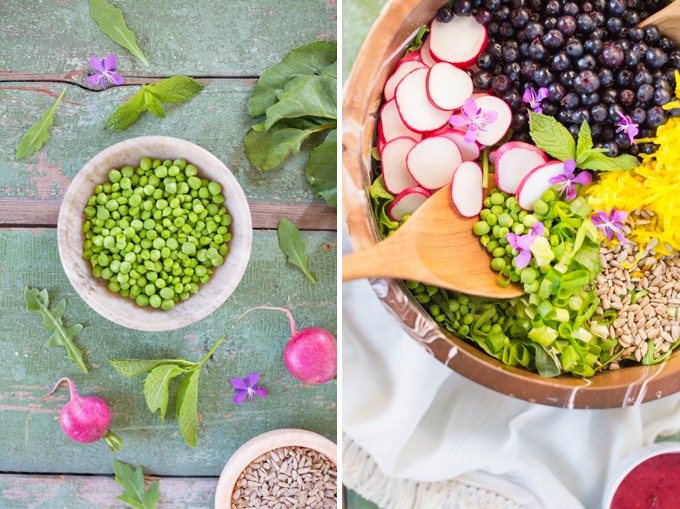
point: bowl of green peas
(154, 233)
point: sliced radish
(381, 145)
(395, 174)
(537, 182)
(432, 162)
(469, 151)
(407, 202)
(448, 86)
(425, 54)
(492, 157)
(413, 55)
(415, 109)
(513, 162)
(497, 129)
(457, 42)
(399, 74)
(391, 127)
(467, 194)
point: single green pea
(498, 263)
(127, 171)
(491, 246)
(194, 183)
(155, 301)
(529, 220)
(541, 207)
(114, 175)
(528, 275)
(505, 220)
(497, 210)
(145, 164)
(190, 170)
(549, 196)
(161, 172)
(188, 248)
(214, 188)
(491, 219)
(481, 228)
(518, 229)
(499, 252)
(497, 199)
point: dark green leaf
(175, 89)
(585, 143)
(133, 483)
(601, 162)
(111, 22)
(156, 387)
(305, 95)
(37, 134)
(188, 408)
(331, 70)
(292, 244)
(322, 168)
(310, 59)
(131, 368)
(551, 136)
(126, 114)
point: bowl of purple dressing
(648, 478)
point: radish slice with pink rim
(457, 42)
(415, 109)
(433, 161)
(390, 125)
(537, 182)
(425, 54)
(448, 86)
(469, 151)
(492, 157)
(407, 202)
(513, 161)
(413, 55)
(395, 174)
(399, 74)
(490, 132)
(467, 193)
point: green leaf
(378, 189)
(331, 70)
(310, 59)
(418, 40)
(551, 136)
(153, 104)
(126, 114)
(188, 408)
(131, 368)
(111, 22)
(176, 89)
(292, 244)
(305, 95)
(600, 162)
(322, 168)
(37, 134)
(585, 143)
(133, 484)
(267, 149)
(156, 387)
(38, 302)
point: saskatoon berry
(614, 26)
(519, 17)
(663, 83)
(581, 115)
(634, 150)
(652, 34)
(586, 82)
(534, 30)
(587, 7)
(647, 148)
(493, 28)
(599, 5)
(612, 148)
(507, 30)
(585, 23)
(469, 72)
(641, 48)
(622, 140)
(570, 9)
(566, 25)
(527, 85)
(657, 75)
(595, 129)
(484, 16)
(495, 49)
(613, 114)
(497, 69)
(607, 133)
(590, 99)
(462, 7)
(570, 101)
(485, 61)
(616, 7)
(552, 8)
(586, 62)
(445, 14)
(643, 77)
(561, 62)
(524, 49)
(567, 78)
(598, 33)
(631, 58)
(624, 78)
(510, 54)
(500, 83)
(550, 108)
(513, 99)
(512, 44)
(624, 44)
(674, 58)
(544, 77)
(537, 51)
(637, 34)
(666, 43)
(661, 96)
(574, 129)
(550, 23)
(599, 112)
(594, 46)
(626, 97)
(630, 18)
(523, 137)
(656, 58)
(492, 5)
(612, 55)
(609, 96)
(482, 81)
(529, 68)
(606, 76)
(556, 91)
(513, 71)
(645, 93)
(598, 18)
(518, 122)
(503, 14)
(574, 48)
(655, 117)
(553, 39)
(564, 116)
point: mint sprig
(554, 139)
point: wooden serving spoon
(667, 20)
(435, 246)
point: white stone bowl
(123, 310)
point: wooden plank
(99, 492)
(217, 120)
(238, 37)
(254, 345)
(30, 212)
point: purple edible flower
(106, 70)
(522, 243)
(567, 183)
(626, 125)
(534, 99)
(612, 222)
(474, 119)
(246, 388)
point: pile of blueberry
(590, 55)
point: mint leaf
(133, 483)
(176, 89)
(126, 114)
(292, 244)
(153, 104)
(305, 95)
(156, 387)
(551, 137)
(36, 136)
(188, 408)
(322, 167)
(585, 143)
(112, 23)
(131, 368)
(600, 162)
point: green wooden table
(46, 45)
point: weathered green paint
(197, 38)
(357, 18)
(355, 501)
(216, 119)
(28, 371)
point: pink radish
(425, 54)
(407, 202)
(432, 162)
(311, 354)
(495, 130)
(537, 182)
(394, 170)
(457, 42)
(469, 151)
(467, 194)
(513, 161)
(381, 145)
(492, 157)
(85, 420)
(413, 55)
(448, 86)
(399, 74)
(415, 109)
(391, 126)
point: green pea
(188, 248)
(492, 219)
(155, 301)
(518, 229)
(541, 207)
(481, 228)
(498, 263)
(114, 175)
(549, 196)
(497, 199)
(505, 220)
(499, 252)
(529, 220)
(484, 240)
(167, 305)
(491, 246)
(194, 183)
(145, 164)
(190, 170)
(528, 275)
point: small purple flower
(522, 243)
(474, 119)
(626, 125)
(106, 70)
(533, 99)
(567, 183)
(246, 388)
(612, 222)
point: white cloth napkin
(422, 422)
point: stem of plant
(290, 316)
(485, 168)
(212, 350)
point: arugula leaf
(156, 387)
(38, 302)
(153, 104)
(133, 483)
(188, 409)
(309, 59)
(292, 244)
(36, 136)
(126, 114)
(176, 89)
(418, 40)
(112, 23)
(322, 168)
(601, 162)
(551, 137)
(305, 95)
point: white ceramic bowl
(630, 462)
(262, 444)
(123, 310)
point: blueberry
(616, 7)
(497, 69)
(534, 30)
(553, 39)
(614, 26)
(612, 55)
(645, 93)
(482, 81)
(641, 48)
(608, 132)
(585, 23)
(624, 78)
(513, 99)
(622, 140)
(552, 8)
(612, 148)
(503, 13)
(631, 58)
(550, 108)
(570, 101)
(664, 84)
(656, 58)
(566, 25)
(574, 129)
(492, 5)
(630, 18)
(518, 122)
(599, 112)
(637, 34)
(556, 91)
(561, 62)
(586, 62)
(544, 77)
(510, 54)
(550, 23)
(598, 18)
(519, 17)
(613, 114)
(606, 76)
(652, 34)
(661, 96)
(537, 51)
(587, 7)
(643, 77)
(647, 148)
(484, 16)
(445, 14)
(564, 116)
(495, 49)
(627, 97)
(586, 82)
(599, 5)
(594, 46)
(485, 61)
(574, 48)
(570, 9)
(666, 43)
(655, 117)
(524, 49)
(513, 71)
(590, 99)
(527, 85)
(500, 83)
(506, 30)
(624, 44)
(529, 68)
(567, 78)
(493, 28)
(609, 96)
(462, 7)
(598, 33)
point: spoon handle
(384, 259)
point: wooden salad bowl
(384, 45)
